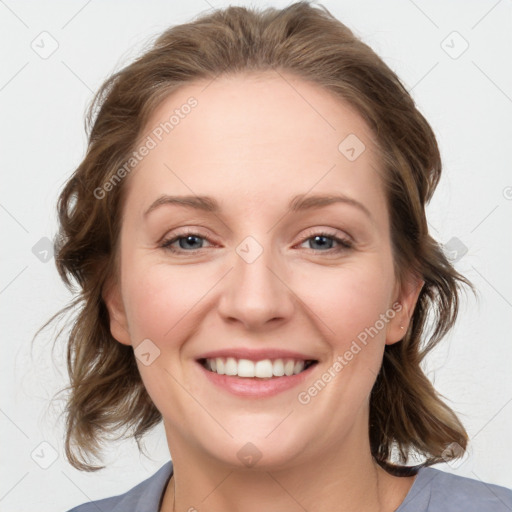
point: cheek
(348, 302)
(162, 305)
(160, 300)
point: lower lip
(256, 387)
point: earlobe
(407, 299)
(117, 316)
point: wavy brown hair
(106, 394)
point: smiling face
(259, 270)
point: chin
(256, 451)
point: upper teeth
(262, 369)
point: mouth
(263, 369)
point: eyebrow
(298, 203)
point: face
(261, 272)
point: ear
(113, 300)
(406, 297)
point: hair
(106, 393)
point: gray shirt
(432, 491)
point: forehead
(281, 108)
(259, 136)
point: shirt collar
(148, 495)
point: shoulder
(144, 497)
(435, 490)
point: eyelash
(344, 243)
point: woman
(248, 229)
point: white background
(467, 100)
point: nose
(256, 293)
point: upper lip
(256, 355)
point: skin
(252, 143)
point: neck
(346, 480)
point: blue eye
(320, 238)
(191, 243)
(185, 241)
